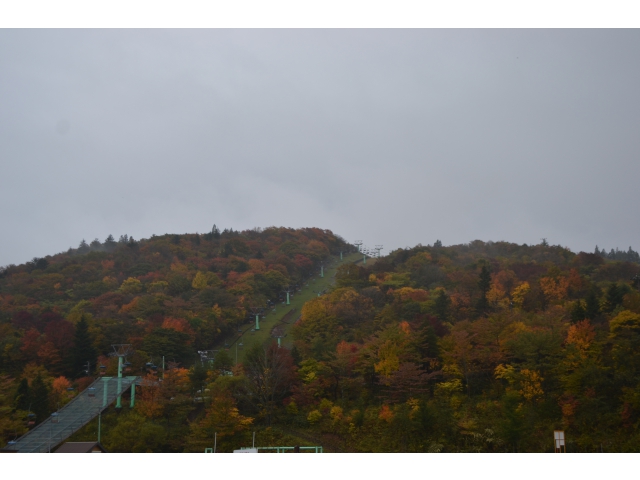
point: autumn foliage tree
(483, 346)
(222, 424)
(270, 376)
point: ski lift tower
(377, 249)
(289, 289)
(358, 243)
(122, 350)
(365, 252)
(278, 332)
(257, 311)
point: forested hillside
(484, 347)
(168, 296)
(479, 347)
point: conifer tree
(222, 361)
(296, 356)
(578, 312)
(592, 305)
(441, 306)
(110, 242)
(23, 395)
(40, 402)
(427, 343)
(484, 283)
(83, 247)
(615, 295)
(83, 350)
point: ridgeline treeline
(485, 347)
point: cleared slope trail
(73, 416)
(285, 315)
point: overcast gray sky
(395, 137)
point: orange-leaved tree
(222, 425)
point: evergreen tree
(40, 402)
(222, 361)
(592, 305)
(83, 247)
(168, 342)
(295, 354)
(110, 242)
(427, 343)
(215, 232)
(484, 283)
(441, 306)
(40, 263)
(578, 312)
(83, 350)
(198, 376)
(23, 395)
(615, 295)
